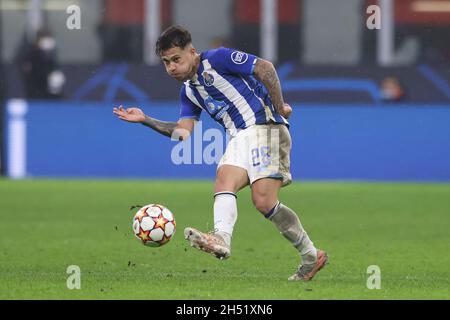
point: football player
(242, 93)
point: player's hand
(286, 110)
(129, 114)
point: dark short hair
(174, 36)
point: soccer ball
(154, 225)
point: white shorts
(263, 151)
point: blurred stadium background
(369, 104)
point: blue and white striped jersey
(226, 89)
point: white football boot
(307, 272)
(209, 242)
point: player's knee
(262, 203)
(223, 185)
(218, 186)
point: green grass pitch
(47, 225)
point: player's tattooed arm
(176, 130)
(163, 127)
(180, 130)
(266, 73)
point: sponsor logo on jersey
(216, 108)
(239, 57)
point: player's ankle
(308, 255)
(225, 236)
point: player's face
(180, 63)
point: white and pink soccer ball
(154, 225)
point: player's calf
(288, 223)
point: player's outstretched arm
(177, 130)
(266, 73)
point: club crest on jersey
(208, 79)
(239, 57)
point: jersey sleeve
(233, 61)
(189, 110)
